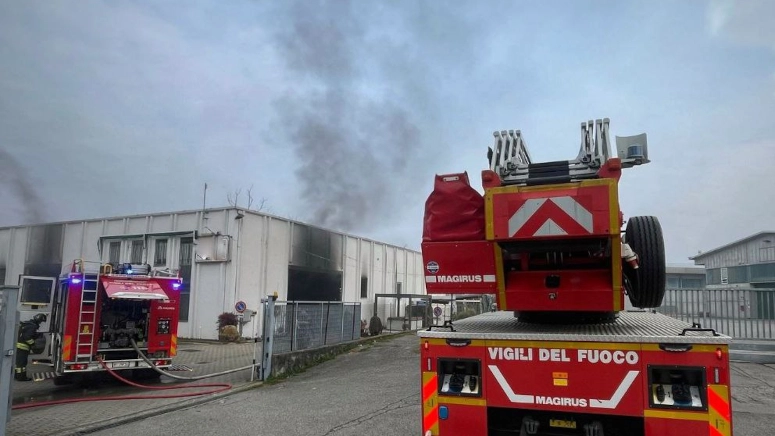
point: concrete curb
(113, 422)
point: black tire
(647, 283)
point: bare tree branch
(233, 200)
(250, 196)
(261, 204)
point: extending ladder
(87, 315)
(510, 159)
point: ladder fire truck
(105, 316)
(562, 355)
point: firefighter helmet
(39, 318)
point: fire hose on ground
(178, 377)
(216, 387)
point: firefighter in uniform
(28, 332)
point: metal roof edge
(731, 244)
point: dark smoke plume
(352, 147)
(14, 181)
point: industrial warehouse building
(224, 255)
(685, 277)
(747, 263)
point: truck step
(42, 376)
(179, 368)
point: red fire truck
(104, 316)
(562, 355)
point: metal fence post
(9, 319)
(295, 327)
(341, 325)
(323, 325)
(268, 337)
(325, 331)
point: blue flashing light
(75, 280)
(176, 286)
(129, 271)
(443, 412)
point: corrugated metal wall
(761, 249)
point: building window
(398, 288)
(136, 255)
(738, 274)
(691, 283)
(763, 272)
(184, 259)
(364, 287)
(724, 276)
(114, 252)
(673, 282)
(713, 276)
(766, 254)
(160, 253)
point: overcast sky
(340, 113)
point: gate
(9, 320)
(301, 325)
(740, 313)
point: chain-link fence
(300, 325)
(739, 313)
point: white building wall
(352, 272)
(14, 252)
(278, 254)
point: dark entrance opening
(305, 284)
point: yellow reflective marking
(462, 400)
(670, 414)
(696, 348)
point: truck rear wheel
(647, 283)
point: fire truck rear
(112, 317)
(562, 356)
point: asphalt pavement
(206, 357)
(372, 390)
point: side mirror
(632, 150)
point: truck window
(36, 291)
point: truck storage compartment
(454, 211)
(459, 267)
(121, 322)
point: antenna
(204, 200)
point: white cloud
(748, 22)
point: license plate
(562, 423)
(120, 365)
